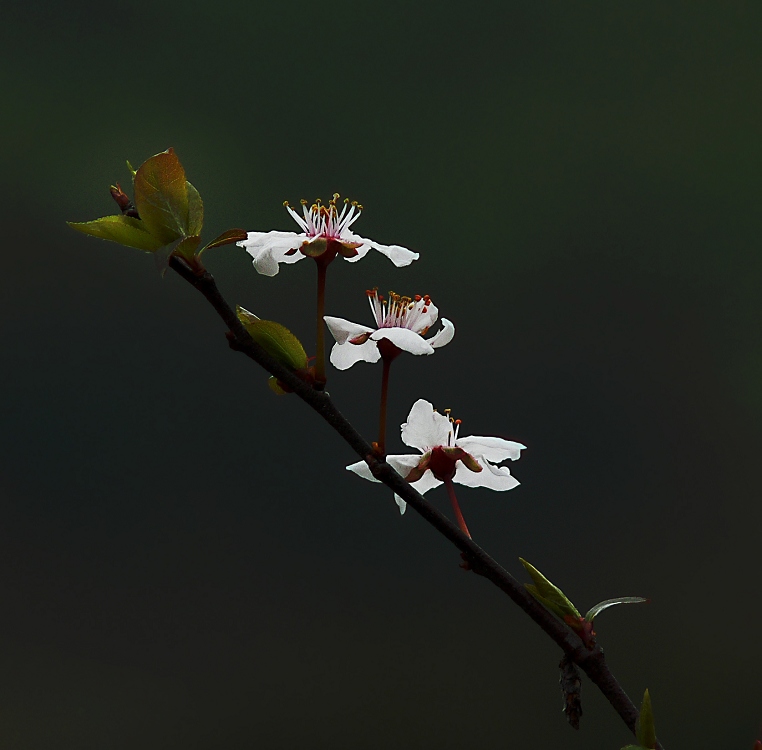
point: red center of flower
(442, 465)
(388, 351)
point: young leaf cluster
(550, 596)
(165, 218)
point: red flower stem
(456, 508)
(382, 412)
(320, 342)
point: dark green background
(185, 564)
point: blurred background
(184, 562)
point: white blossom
(445, 456)
(402, 321)
(323, 229)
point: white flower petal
(492, 477)
(405, 339)
(492, 448)
(362, 470)
(342, 330)
(444, 336)
(397, 254)
(362, 251)
(281, 242)
(403, 463)
(268, 249)
(428, 318)
(343, 356)
(427, 482)
(425, 428)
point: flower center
(441, 464)
(319, 220)
(401, 312)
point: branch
(591, 661)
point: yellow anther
(336, 195)
(303, 202)
(285, 203)
(359, 207)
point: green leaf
(598, 608)
(122, 229)
(187, 248)
(195, 210)
(161, 197)
(276, 339)
(644, 729)
(548, 594)
(226, 238)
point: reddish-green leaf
(226, 238)
(161, 197)
(122, 229)
(195, 210)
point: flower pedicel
(400, 326)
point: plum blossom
(445, 457)
(324, 230)
(401, 322)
